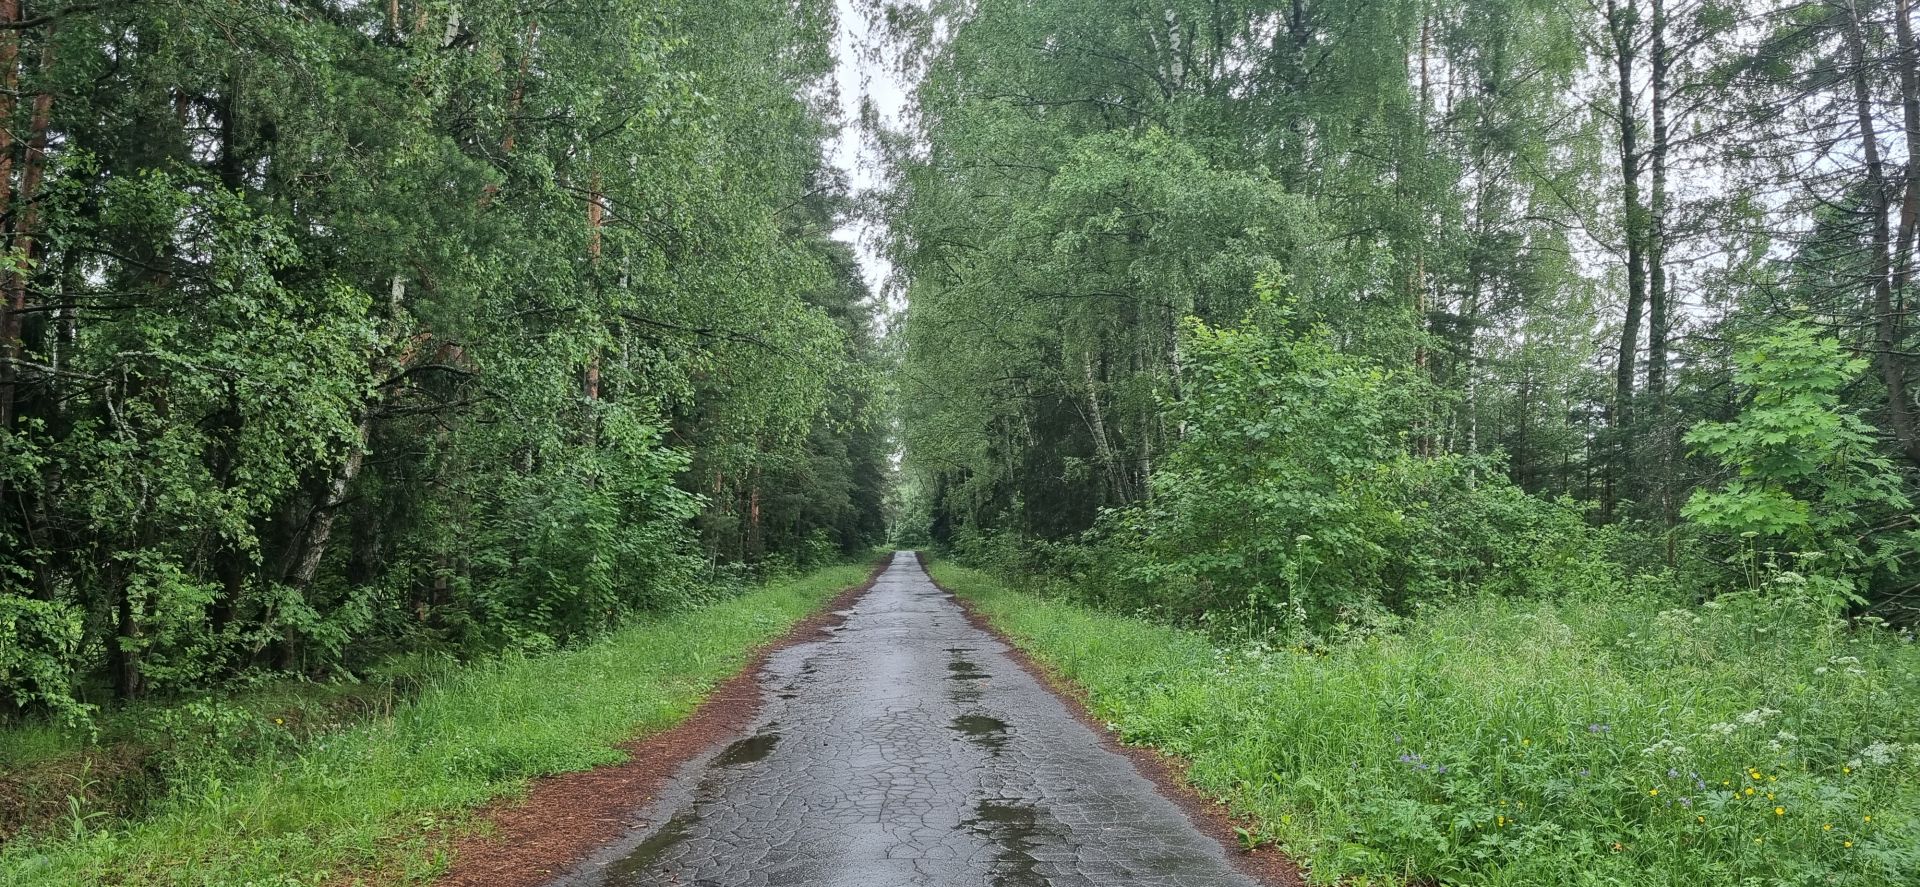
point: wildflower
(1866, 819)
(279, 720)
(1881, 753)
(1525, 741)
(1686, 802)
(1779, 811)
(1672, 773)
(1846, 769)
(1749, 791)
(1827, 828)
(1759, 840)
(1653, 791)
(1846, 844)
(1700, 819)
(1500, 822)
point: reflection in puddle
(1015, 827)
(988, 732)
(748, 750)
(627, 871)
(964, 670)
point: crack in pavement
(909, 749)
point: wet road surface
(908, 749)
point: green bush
(1292, 501)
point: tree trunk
(10, 320)
(1659, 310)
(1620, 22)
(1887, 321)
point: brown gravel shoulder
(1267, 865)
(565, 817)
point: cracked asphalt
(905, 749)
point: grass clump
(389, 793)
(1519, 742)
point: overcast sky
(864, 72)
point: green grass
(1506, 742)
(389, 793)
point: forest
(1478, 438)
(337, 331)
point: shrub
(1291, 500)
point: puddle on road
(630, 870)
(1015, 827)
(637, 868)
(988, 732)
(748, 750)
(962, 670)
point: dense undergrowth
(253, 798)
(1623, 740)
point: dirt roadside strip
(565, 817)
(1266, 865)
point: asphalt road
(908, 749)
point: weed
(1505, 742)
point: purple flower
(1686, 802)
(1440, 769)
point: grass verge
(1504, 742)
(389, 794)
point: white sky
(866, 73)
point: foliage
(349, 330)
(1290, 500)
(1610, 738)
(1806, 480)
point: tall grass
(389, 794)
(1512, 742)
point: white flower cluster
(1665, 748)
(1881, 754)
(1852, 664)
(1758, 716)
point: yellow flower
(1525, 741)
(1749, 791)
(1827, 828)
(1773, 779)
(279, 720)
(1846, 769)
(1846, 843)
(1500, 821)
(1726, 782)
(1769, 796)
(1866, 818)
(1700, 819)
(1653, 791)
(1779, 811)
(1759, 840)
